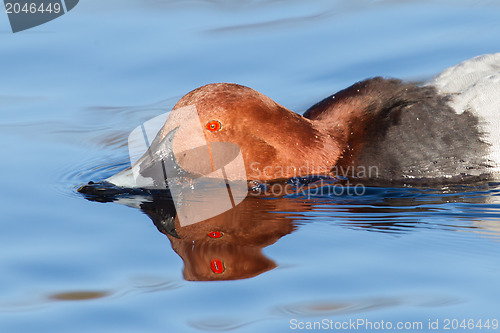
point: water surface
(73, 89)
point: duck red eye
(214, 125)
(215, 234)
(217, 266)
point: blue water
(72, 89)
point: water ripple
(332, 308)
(323, 308)
(137, 286)
(220, 324)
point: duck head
(213, 124)
(274, 141)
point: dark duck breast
(380, 129)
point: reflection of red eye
(217, 266)
(214, 126)
(215, 234)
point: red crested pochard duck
(380, 129)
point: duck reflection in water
(228, 246)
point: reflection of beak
(167, 226)
(162, 211)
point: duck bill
(154, 167)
